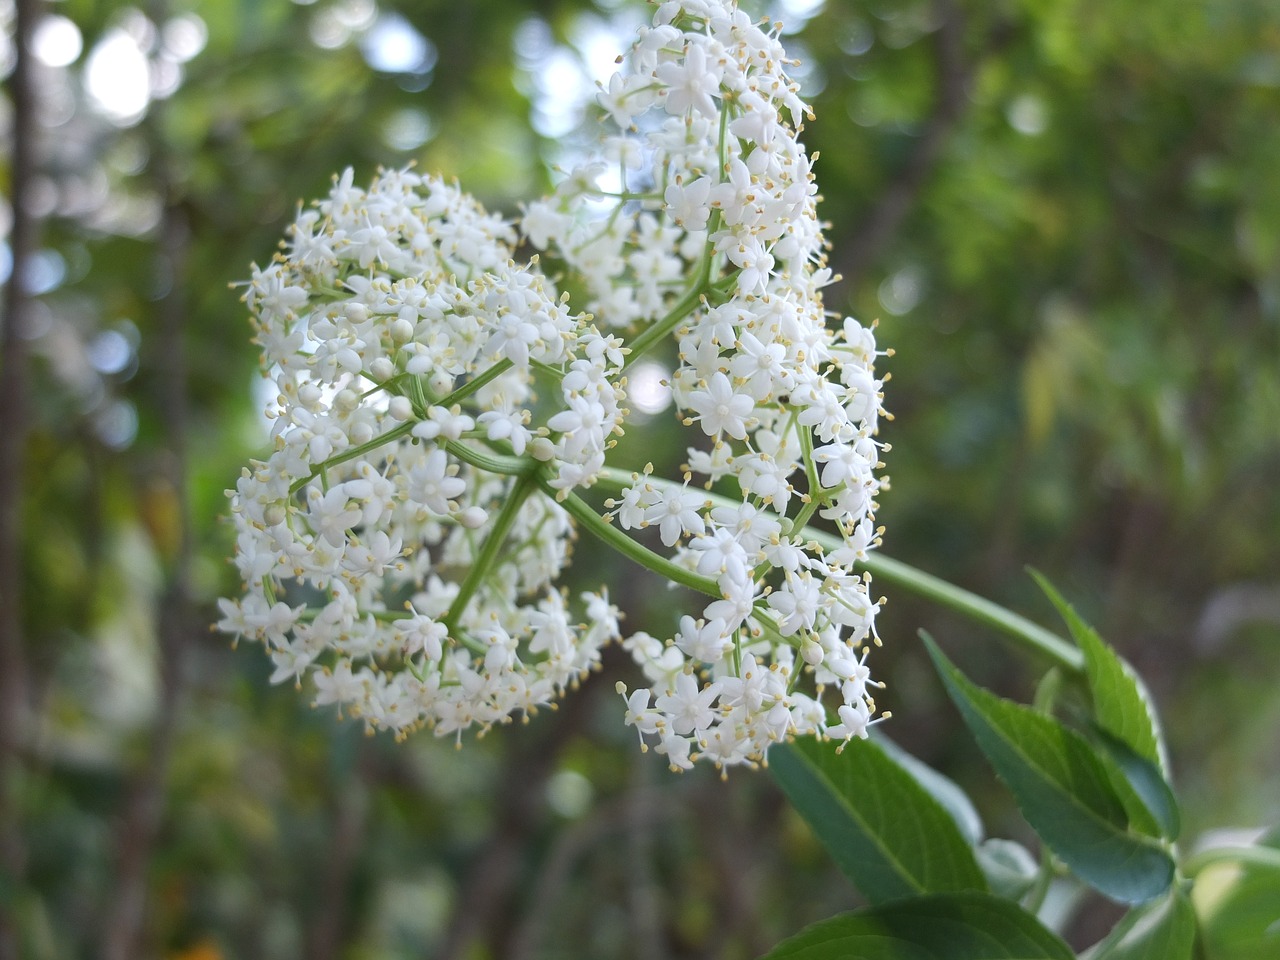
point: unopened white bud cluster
(418, 515)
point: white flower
(760, 366)
(854, 719)
(329, 514)
(842, 463)
(691, 83)
(338, 685)
(633, 507)
(442, 422)
(688, 706)
(720, 552)
(688, 204)
(638, 714)
(705, 641)
(507, 424)
(720, 409)
(797, 602)
(676, 749)
(432, 484)
(676, 513)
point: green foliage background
(1066, 216)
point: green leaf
(1162, 930)
(1062, 789)
(1147, 785)
(966, 926)
(1140, 818)
(1239, 907)
(1008, 866)
(1121, 706)
(942, 788)
(888, 835)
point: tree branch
(485, 901)
(23, 239)
(143, 813)
(640, 807)
(328, 931)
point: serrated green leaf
(1062, 789)
(1162, 930)
(942, 788)
(1140, 818)
(1146, 784)
(888, 835)
(1121, 706)
(966, 926)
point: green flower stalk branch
(1028, 635)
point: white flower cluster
(715, 179)
(420, 517)
(397, 504)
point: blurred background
(1064, 214)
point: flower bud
(473, 517)
(401, 330)
(542, 449)
(400, 408)
(811, 651)
(382, 369)
(319, 447)
(440, 381)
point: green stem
(816, 495)
(654, 197)
(1028, 635)
(471, 386)
(1034, 898)
(395, 433)
(606, 532)
(489, 462)
(806, 450)
(702, 283)
(554, 372)
(976, 608)
(1266, 857)
(481, 565)
(660, 330)
(382, 616)
(762, 615)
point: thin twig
(139, 825)
(23, 238)
(644, 805)
(734, 854)
(327, 934)
(644, 905)
(485, 901)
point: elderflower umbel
(401, 544)
(402, 339)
